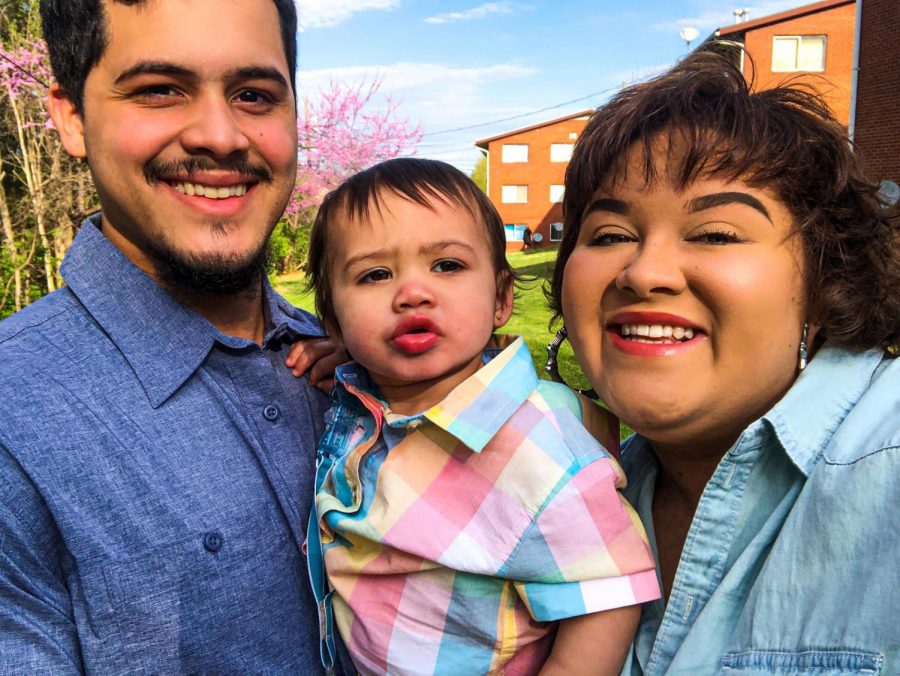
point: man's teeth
(211, 192)
(640, 331)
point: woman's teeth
(211, 192)
(641, 332)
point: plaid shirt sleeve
(585, 550)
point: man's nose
(214, 129)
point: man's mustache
(157, 170)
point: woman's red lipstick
(415, 335)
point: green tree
(479, 173)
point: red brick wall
(539, 173)
(877, 132)
(835, 82)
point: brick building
(876, 124)
(526, 171)
(812, 43)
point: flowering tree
(340, 132)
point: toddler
(468, 521)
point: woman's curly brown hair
(785, 140)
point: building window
(791, 53)
(561, 152)
(514, 194)
(515, 232)
(556, 193)
(514, 152)
(556, 232)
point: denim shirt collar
(806, 418)
(163, 341)
(476, 409)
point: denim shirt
(790, 564)
(156, 476)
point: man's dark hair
(785, 140)
(76, 36)
(417, 180)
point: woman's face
(685, 309)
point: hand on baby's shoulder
(318, 356)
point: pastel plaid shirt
(453, 538)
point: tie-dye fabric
(454, 538)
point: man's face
(189, 129)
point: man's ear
(504, 304)
(67, 120)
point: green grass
(530, 319)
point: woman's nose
(655, 267)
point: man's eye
(378, 275)
(448, 265)
(156, 92)
(253, 96)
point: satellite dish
(888, 193)
(689, 34)
(538, 237)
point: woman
(716, 241)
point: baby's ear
(504, 303)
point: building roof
(483, 143)
(780, 16)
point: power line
(521, 115)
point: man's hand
(320, 356)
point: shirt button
(212, 541)
(271, 413)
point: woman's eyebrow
(719, 199)
(608, 204)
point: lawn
(530, 317)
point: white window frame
(557, 192)
(798, 41)
(517, 153)
(552, 229)
(518, 230)
(555, 157)
(520, 196)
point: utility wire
(521, 115)
(23, 70)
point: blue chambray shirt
(156, 477)
(790, 565)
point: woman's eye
(378, 275)
(447, 266)
(716, 237)
(610, 238)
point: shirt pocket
(821, 662)
(178, 607)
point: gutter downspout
(857, 29)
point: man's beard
(212, 275)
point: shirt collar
(163, 341)
(478, 407)
(808, 415)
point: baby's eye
(377, 275)
(447, 265)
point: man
(156, 455)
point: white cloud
(708, 20)
(479, 12)
(327, 13)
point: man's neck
(241, 315)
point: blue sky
(460, 63)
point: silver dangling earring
(804, 351)
(551, 367)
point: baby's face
(414, 292)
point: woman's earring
(551, 367)
(804, 351)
